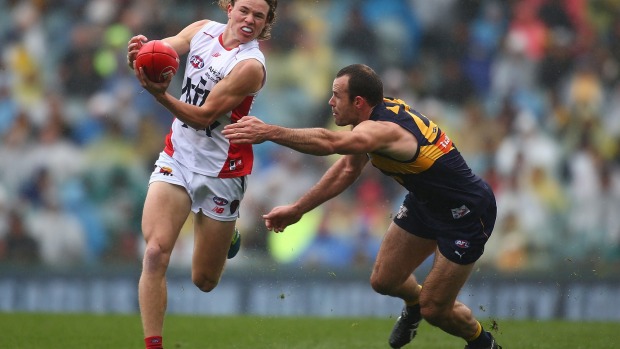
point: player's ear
(358, 101)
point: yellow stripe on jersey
(426, 158)
(434, 145)
(393, 166)
(429, 132)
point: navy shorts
(461, 238)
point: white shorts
(218, 198)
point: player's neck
(228, 40)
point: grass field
(73, 331)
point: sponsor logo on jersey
(444, 143)
(235, 164)
(217, 54)
(197, 62)
(214, 75)
(460, 212)
(220, 201)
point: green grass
(73, 331)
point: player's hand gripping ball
(158, 60)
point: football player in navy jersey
(448, 211)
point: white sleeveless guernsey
(207, 151)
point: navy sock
(482, 341)
(415, 311)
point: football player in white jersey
(199, 170)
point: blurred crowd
(528, 90)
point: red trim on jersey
(221, 39)
(169, 148)
(240, 157)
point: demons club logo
(197, 62)
(220, 201)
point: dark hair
(271, 16)
(363, 82)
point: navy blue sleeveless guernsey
(437, 177)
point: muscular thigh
(444, 281)
(166, 209)
(211, 242)
(400, 254)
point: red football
(158, 59)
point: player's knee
(155, 258)
(380, 285)
(433, 314)
(204, 283)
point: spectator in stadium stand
(199, 171)
(21, 247)
(449, 211)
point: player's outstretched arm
(366, 137)
(252, 130)
(335, 180)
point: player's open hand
(281, 217)
(248, 130)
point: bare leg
(438, 298)
(400, 254)
(211, 242)
(165, 211)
